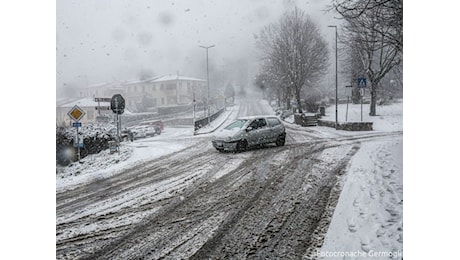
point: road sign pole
(76, 113)
(78, 145)
(118, 133)
(362, 84)
(117, 104)
(362, 95)
(348, 98)
(194, 106)
(118, 130)
(119, 120)
(346, 115)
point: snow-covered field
(389, 117)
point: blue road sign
(362, 82)
(78, 145)
(76, 124)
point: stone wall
(348, 126)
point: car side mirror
(249, 129)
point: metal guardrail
(204, 121)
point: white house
(88, 105)
(160, 91)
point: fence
(204, 121)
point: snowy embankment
(389, 117)
(368, 219)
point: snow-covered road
(173, 196)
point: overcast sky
(105, 40)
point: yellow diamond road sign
(76, 113)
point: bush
(94, 141)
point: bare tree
(390, 16)
(276, 82)
(374, 35)
(270, 85)
(294, 52)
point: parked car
(246, 132)
(152, 128)
(145, 130)
(157, 123)
(127, 134)
(138, 132)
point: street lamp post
(336, 80)
(207, 75)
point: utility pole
(336, 79)
(207, 82)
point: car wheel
(241, 146)
(281, 140)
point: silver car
(250, 131)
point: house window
(162, 101)
(172, 100)
(171, 86)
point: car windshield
(236, 124)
